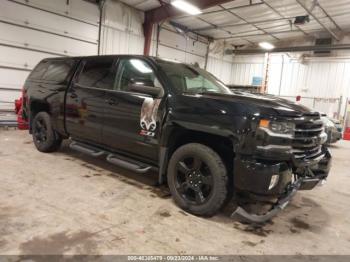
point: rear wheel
(197, 179)
(44, 136)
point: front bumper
(242, 215)
(252, 180)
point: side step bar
(121, 161)
(86, 149)
(127, 164)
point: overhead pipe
(240, 24)
(239, 35)
(294, 49)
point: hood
(264, 103)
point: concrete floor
(73, 204)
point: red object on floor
(347, 134)
(22, 124)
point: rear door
(131, 118)
(86, 97)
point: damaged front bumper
(253, 181)
(302, 184)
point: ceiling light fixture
(186, 7)
(266, 45)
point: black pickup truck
(210, 145)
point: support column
(148, 30)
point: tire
(205, 173)
(44, 136)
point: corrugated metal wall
(33, 30)
(220, 67)
(314, 77)
(233, 71)
(122, 31)
(191, 49)
(187, 48)
(317, 77)
(244, 68)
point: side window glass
(58, 71)
(39, 70)
(97, 73)
(135, 71)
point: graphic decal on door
(148, 118)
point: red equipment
(347, 134)
(22, 124)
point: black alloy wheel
(197, 179)
(194, 181)
(44, 136)
(40, 131)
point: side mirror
(147, 90)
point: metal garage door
(36, 29)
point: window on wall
(98, 73)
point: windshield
(191, 80)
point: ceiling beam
(329, 17)
(240, 24)
(251, 23)
(333, 34)
(167, 11)
(282, 16)
(222, 11)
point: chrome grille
(307, 142)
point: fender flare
(166, 136)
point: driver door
(132, 119)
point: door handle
(111, 101)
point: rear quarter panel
(50, 94)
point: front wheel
(44, 136)
(197, 178)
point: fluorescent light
(186, 7)
(266, 45)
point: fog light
(274, 181)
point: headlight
(284, 128)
